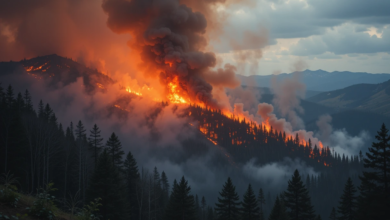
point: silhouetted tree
(374, 199)
(228, 204)
(279, 211)
(347, 207)
(106, 183)
(333, 215)
(261, 201)
(181, 204)
(114, 147)
(297, 199)
(250, 209)
(95, 141)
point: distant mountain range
(319, 80)
(366, 97)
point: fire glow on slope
(254, 126)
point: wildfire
(176, 96)
(32, 68)
(174, 92)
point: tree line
(37, 149)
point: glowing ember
(100, 85)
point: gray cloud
(343, 40)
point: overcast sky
(333, 35)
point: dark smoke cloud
(171, 37)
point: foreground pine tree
(106, 183)
(114, 147)
(279, 211)
(347, 207)
(228, 204)
(95, 141)
(333, 215)
(261, 201)
(374, 198)
(181, 204)
(298, 200)
(131, 172)
(250, 209)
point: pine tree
(181, 204)
(333, 215)
(131, 177)
(28, 102)
(48, 112)
(227, 207)
(1, 94)
(106, 183)
(95, 141)
(374, 198)
(261, 201)
(278, 211)
(250, 209)
(114, 147)
(164, 190)
(203, 206)
(347, 207)
(297, 199)
(210, 213)
(80, 130)
(156, 193)
(198, 211)
(9, 96)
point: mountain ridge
(319, 80)
(366, 97)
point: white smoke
(340, 140)
(277, 173)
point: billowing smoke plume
(170, 37)
(340, 140)
(287, 97)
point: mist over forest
(182, 109)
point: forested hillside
(79, 161)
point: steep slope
(57, 69)
(320, 80)
(366, 97)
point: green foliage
(17, 217)
(227, 207)
(72, 203)
(89, 211)
(43, 207)
(8, 194)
